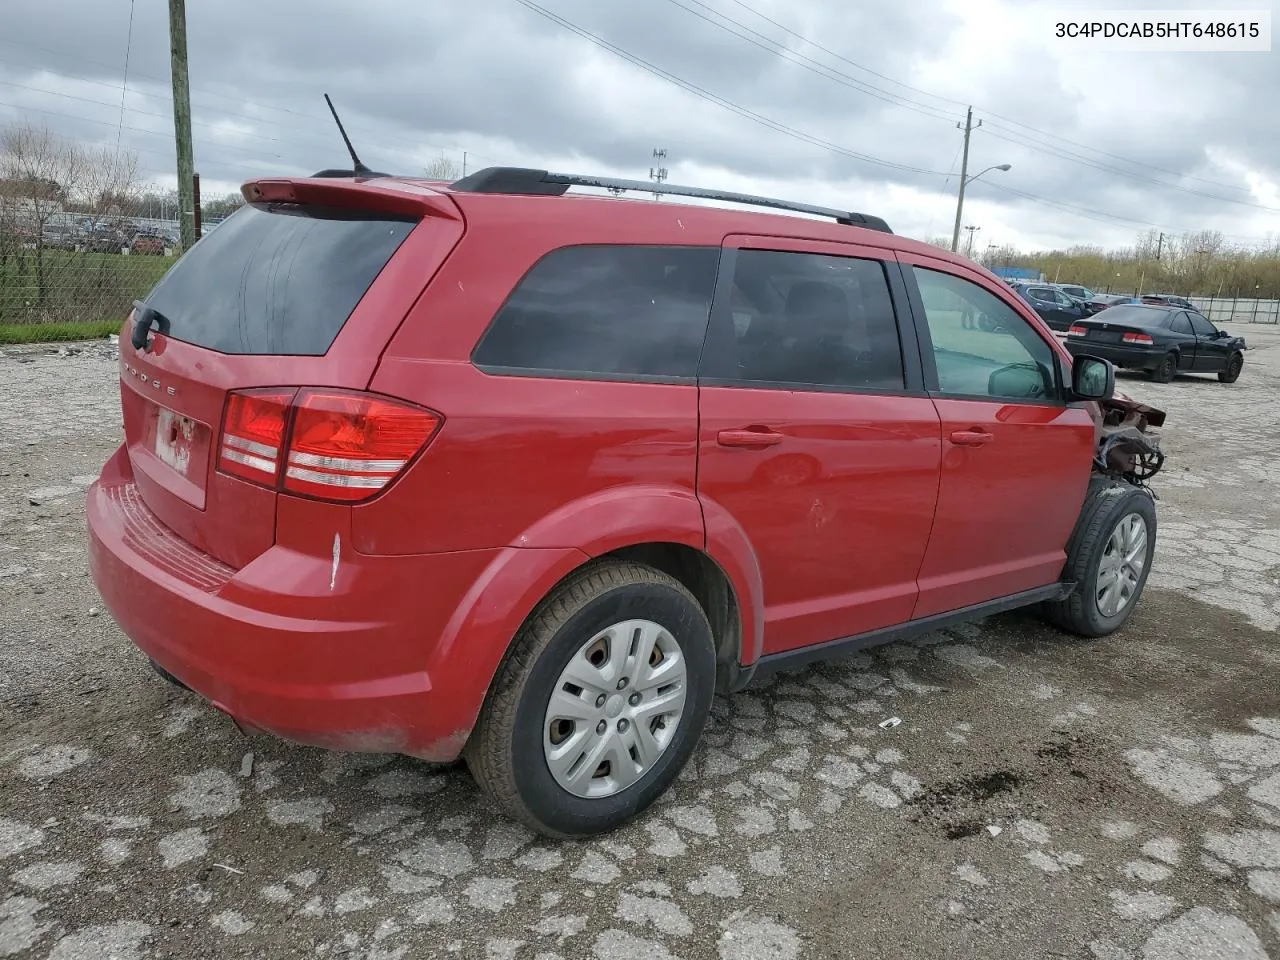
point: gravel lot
(1042, 797)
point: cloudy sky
(827, 101)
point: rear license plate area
(175, 437)
(181, 444)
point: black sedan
(1161, 340)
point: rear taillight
(349, 446)
(1077, 331)
(253, 434)
(1137, 338)
(328, 444)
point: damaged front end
(1126, 448)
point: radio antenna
(358, 168)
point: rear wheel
(599, 704)
(1108, 558)
(1166, 370)
(1235, 363)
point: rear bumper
(1135, 358)
(347, 661)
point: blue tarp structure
(1018, 273)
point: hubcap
(1122, 564)
(615, 709)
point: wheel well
(709, 585)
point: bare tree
(44, 176)
(35, 169)
(442, 168)
(38, 169)
(219, 207)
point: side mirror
(1092, 378)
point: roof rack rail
(540, 183)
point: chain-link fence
(1238, 310)
(77, 282)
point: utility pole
(182, 121)
(968, 249)
(658, 173)
(964, 176)
(1159, 245)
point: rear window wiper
(143, 317)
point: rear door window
(606, 311)
(277, 279)
(810, 320)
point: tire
(1167, 370)
(508, 752)
(1235, 363)
(1109, 504)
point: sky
(830, 102)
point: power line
(844, 59)
(165, 134)
(124, 83)
(808, 63)
(1084, 212)
(1087, 213)
(1109, 168)
(990, 113)
(163, 81)
(710, 97)
(315, 121)
(1099, 216)
(951, 169)
(1113, 156)
(312, 136)
(234, 172)
(141, 113)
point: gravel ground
(1042, 796)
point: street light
(964, 182)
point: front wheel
(599, 703)
(1108, 558)
(1235, 363)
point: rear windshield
(277, 279)
(1134, 314)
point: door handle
(758, 437)
(971, 438)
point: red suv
(491, 471)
